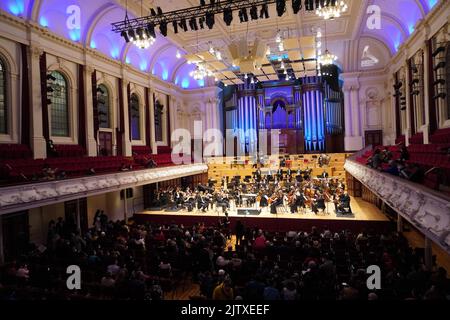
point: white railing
(22, 197)
(426, 209)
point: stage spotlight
(202, 2)
(151, 30)
(243, 15)
(153, 12)
(201, 21)
(210, 20)
(264, 12)
(193, 24)
(140, 33)
(183, 25)
(125, 36)
(254, 13)
(296, 5)
(227, 16)
(281, 7)
(159, 10)
(175, 27)
(163, 28)
(131, 34)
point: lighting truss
(188, 13)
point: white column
(126, 128)
(356, 117)
(38, 143)
(91, 143)
(409, 125)
(152, 122)
(347, 113)
(426, 93)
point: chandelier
(327, 58)
(333, 9)
(143, 42)
(200, 72)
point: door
(16, 234)
(76, 215)
(374, 138)
(105, 143)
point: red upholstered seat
(14, 151)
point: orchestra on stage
(280, 191)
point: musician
(280, 174)
(298, 200)
(307, 174)
(299, 176)
(178, 198)
(320, 201)
(202, 202)
(275, 201)
(258, 174)
(264, 201)
(289, 172)
(344, 203)
(324, 174)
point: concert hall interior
(224, 150)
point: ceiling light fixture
(331, 9)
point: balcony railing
(426, 209)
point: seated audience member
(404, 153)
(124, 167)
(48, 173)
(375, 160)
(151, 164)
(224, 291)
(393, 168)
(51, 150)
(91, 171)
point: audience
(146, 261)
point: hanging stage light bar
(179, 18)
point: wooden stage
(366, 216)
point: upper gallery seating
(69, 150)
(142, 154)
(17, 165)
(426, 156)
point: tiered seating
(14, 151)
(164, 150)
(69, 150)
(141, 150)
(400, 139)
(427, 156)
(441, 136)
(416, 139)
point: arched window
(59, 106)
(3, 102)
(135, 117)
(104, 118)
